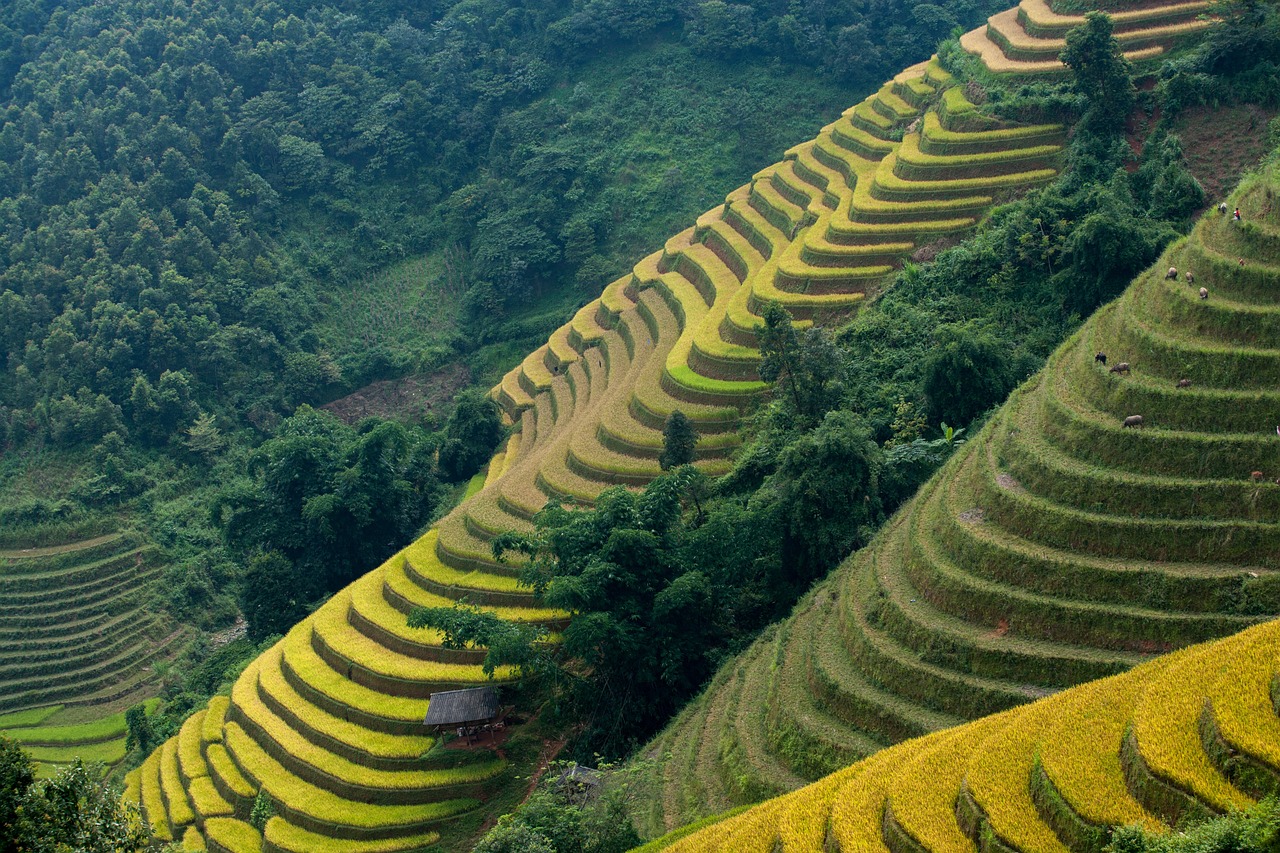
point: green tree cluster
(322, 503)
(182, 185)
(71, 811)
(572, 810)
(1253, 830)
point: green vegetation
(574, 808)
(846, 441)
(71, 811)
(1001, 778)
(1003, 577)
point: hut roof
(451, 707)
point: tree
(679, 440)
(71, 811)
(331, 500)
(16, 775)
(827, 494)
(506, 643)
(139, 735)
(274, 596)
(810, 367)
(967, 373)
(471, 435)
(1102, 74)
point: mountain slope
(1058, 546)
(326, 724)
(1189, 735)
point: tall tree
(679, 441)
(471, 435)
(1101, 74)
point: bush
(967, 373)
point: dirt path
(57, 549)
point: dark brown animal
(1133, 421)
(1184, 383)
(1101, 358)
(1122, 367)
(1256, 476)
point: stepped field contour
(1062, 544)
(79, 642)
(1187, 736)
(327, 724)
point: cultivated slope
(327, 722)
(1058, 546)
(1188, 735)
(77, 643)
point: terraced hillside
(1026, 40)
(78, 644)
(326, 724)
(1191, 734)
(56, 735)
(1058, 546)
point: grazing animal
(1172, 274)
(1184, 383)
(1242, 261)
(1101, 358)
(1204, 293)
(1222, 208)
(1256, 476)
(1191, 277)
(1122, 367)
(1133, 421)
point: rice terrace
(924, 495)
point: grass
(105, 729)
(215, 715)
(177, 806)
(326, 768)
(320, 724)
(907, 795)
(190, 747)
(299, 797)
(208, 802)
(153, 808)
(226, 771)
(1166, 727)
(1056, 547)
(193, 841)
(23, 719)
(409, 311)
(107, 752)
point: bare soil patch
(1007, 482)
(416, 397)
(1222, 143)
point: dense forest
(186, 185)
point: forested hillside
(186, 186)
